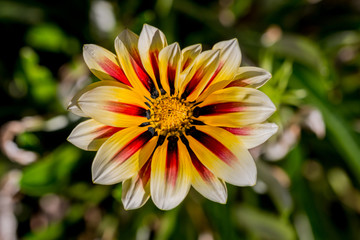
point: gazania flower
(163, 119)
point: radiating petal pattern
(188, 56)
(114, 106)
(169, 67)
(204, 67)
(151, 41)
(73, 105)
(129, 58)
(122, 155)
(103, 64)
(170, 174)
(235, 107)
(255, 134)
(250, 77)
(164, 119)
(136, 190)
(90, 135)
(223, 154)
(205, 182)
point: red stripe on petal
(222, 108)
(244, 131)
(212, 144)
(186, 64)
(144, 78)
(205, 174)
(237, 83)
(114, 71)
(221, 64)
(171, 74)
(125, 108)
(172, 162)
(107, 131)
(153, 55)
(132, 147)
(195, 80)
(145, 172)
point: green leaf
(262, 224)
(51, 232)
(51, 173)
(338, 129)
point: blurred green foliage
(308, 182)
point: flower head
(164, 119)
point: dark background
(308, 174)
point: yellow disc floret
(170, 115)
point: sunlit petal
(169, 67)
(170, 174)
(250, 77)
(103, 63)
(188, 56)
(204, 67)
(205, 182)
(223, 154)
(114, 106)
(255, 134)
(229, 62)
(136, 190)
(235, 107)
(151, 41)
(129, 58)
(90, 135)
(122, 155)
(73, 104)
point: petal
(235, 107)
(90, 135)
(230, 59)
(113, 106)
(151, 41)
(205, 182)
(103, 64)
(73, 104)
(223, 154)
(129, 58)
(250, 77)
(255, 134)
(202, 70)
(169, 67)
(122, 155)
(136, 190)
(170, 174)
(188, 56)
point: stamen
(170, 116)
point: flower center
(170, 116)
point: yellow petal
(123, 155)
(235, 107)
(73, 104)
(204, 67)
(90, 135)
(113, 106)
(229, 62)
(103, 64)
(223, 154)
(136, 190)
(188, 56)
(250, 77)
(255, 134)
(151, 41)
(129, 58)
(170, 174)
(205, 182)
(169, 67)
